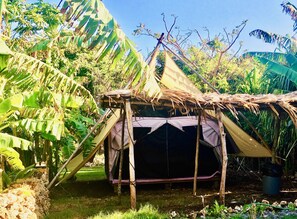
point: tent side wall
(167, 152)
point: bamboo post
(131, 155)
(121, 154)
(224, 155)
(197, 155)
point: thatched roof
(209, 101)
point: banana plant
(95, 29)
(7, 141)
(39, 108)
(280, 76)
(282, 64)
(289, 44)
(290, 9)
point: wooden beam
(197, 155)
(121, 154)
(131, 155)
(224, 155)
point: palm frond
(49, 126)
(27, 73)
(290, 9)
(93, 22)
(11, 103)
(279, 69)
(7, 140)
(61, 41)
(275, 56)
(287, 59)
(12, 156)
(282, 41)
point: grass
(91, 194)
(145, 212)
(89, 174)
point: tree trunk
(49, 158)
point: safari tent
(164, 149)
(165, 142)
(142, 148)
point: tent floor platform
(215, 176)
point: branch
(239, 32)
(171, 27)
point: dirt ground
(96, 196)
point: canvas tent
(165, 149)
(178, 98)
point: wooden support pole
(121, 153)
(224, 155)
(131, 155)
(197, 155)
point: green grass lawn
(91, 194)
(91, 174)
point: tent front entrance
(164, 150)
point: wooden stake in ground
(224, 155)
(131, 155)
(121, 154)
(197, 155)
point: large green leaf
(12, 156)
(274, 56)
(93, 22)
(13, 102)
(7, 140)
(4, 50)
(28, 73)
(282, 41)
(279, 69)
(50, 126)
(290, 9)
(288, 59)
(284, 64)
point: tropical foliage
(59, 60)
(281, 77)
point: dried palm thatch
(187, 102)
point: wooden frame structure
(179, 100)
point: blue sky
(196, 14)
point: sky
(197, 14)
